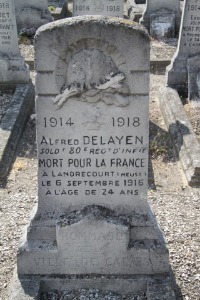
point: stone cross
(12, 66)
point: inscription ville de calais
(100, 155)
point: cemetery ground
(175, 204)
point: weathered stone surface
(188, 45)
(162, 24)
(160, 290)
(32, 287)
(12, 66)
(185, 140)
(134, 11)
(158, 5)
(103, 7)
(92, 135)
(32, 13)
(93, 240)
(24, 289)
(60, 9)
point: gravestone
(12, 66)
(103, 7)
(32, 13)
(188, 46)
(162, 18)
(92, 134)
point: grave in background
(93, 218)
(14, 75)
(57, 3)
(183, 72)
(13, 69)
(114, 8)
(32, 13)
(162, 18)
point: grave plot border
(180, 128)
(13, 123)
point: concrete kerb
(180, 128)
(12, 125)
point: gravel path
(176, 205)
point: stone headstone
(162, 18)
(32, 13)
(103, 7)
(12, 66)
(92, 134)
(188, 46)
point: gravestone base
(32, 287)
(167, 12)
(94, 240)
(183, 135)
(176, 76)
(13, 70)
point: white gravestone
(92, 134)
(188, 46)
(166, 15)
(12, 66)
(32, 13)
(103, 7)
